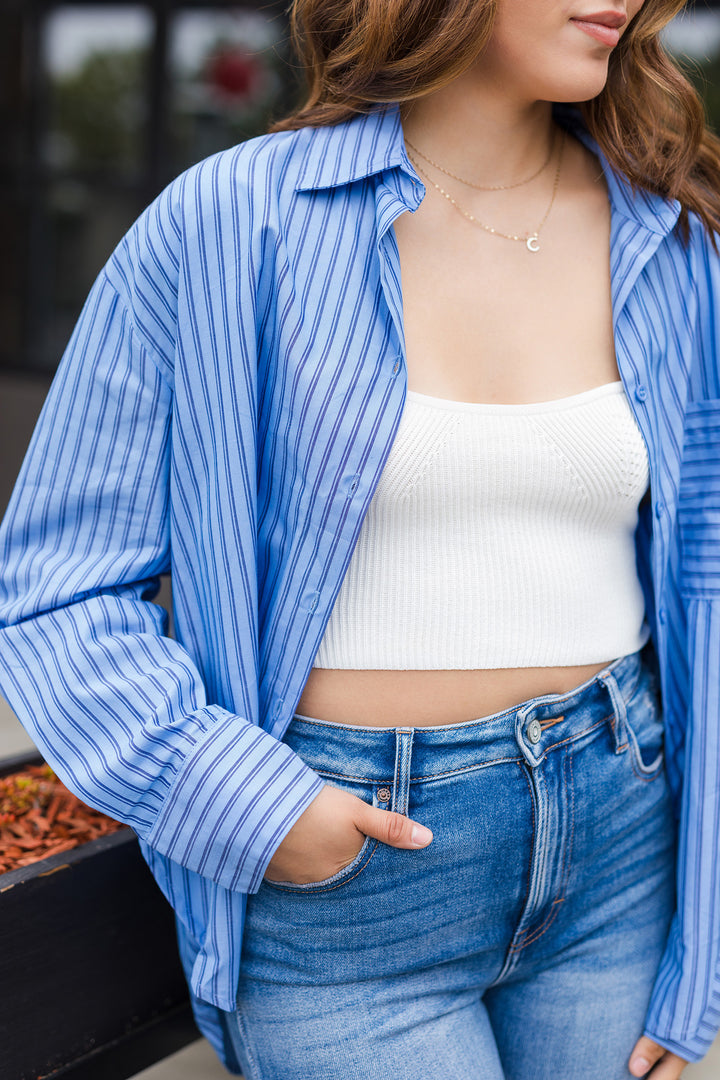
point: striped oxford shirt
(223, 412)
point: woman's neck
(479, 133)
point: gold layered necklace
(531, 240)
(485, 187)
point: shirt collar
(365, 144)
(371, 142)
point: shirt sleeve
(117, 707)
(684, 1013)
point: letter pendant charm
(533, 244)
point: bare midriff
(388, 698)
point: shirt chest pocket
(699, 501)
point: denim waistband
(529, 729)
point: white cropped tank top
(498, 536)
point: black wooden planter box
(91, 985)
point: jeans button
(384, 794)
(534, 731)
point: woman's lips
(607, 35)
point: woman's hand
(330, 832)
(668, 1067)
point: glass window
(96, 61)
(228, 76)
(103, 104)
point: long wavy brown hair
(649, 120)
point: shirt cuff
(235, 798)
(690, 1049)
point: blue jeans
(521, 944)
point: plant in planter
(40, 817)
(90, 979)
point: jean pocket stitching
(351, 776)
(641, 770)
(463, 769)
(346, 875)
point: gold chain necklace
(531, 240)
(483, 187)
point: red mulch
(40, 817)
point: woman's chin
(583, 86)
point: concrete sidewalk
(198, 1061)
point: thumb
(645, 1053)
(393, 829)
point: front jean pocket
(646, 729)
(379, 796)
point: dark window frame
(26, 178)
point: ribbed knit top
(498, 536)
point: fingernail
(420, 836)
(640, 1064)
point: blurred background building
(102, 104)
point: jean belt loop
(401, 782)
(619, 718)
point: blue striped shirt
(223, 412)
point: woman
(439, 724)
